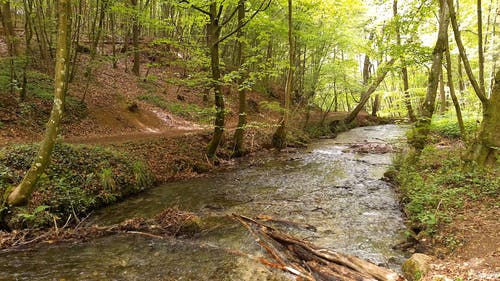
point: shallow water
(335, 196)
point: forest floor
(470, 245)
(136, 115)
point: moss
(78, 180)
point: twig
(145, 234)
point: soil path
(133, 136)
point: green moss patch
(78, 180)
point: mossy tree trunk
(22, 193)
(486, 151)
(279, 136)
(421, 129)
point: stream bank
(332, 191)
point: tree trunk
(213, 30)
(452, 93)
(486, 152)
(242, 99)
(22, 193)
(480, 49)
(376, 105)
(279, 137)
(11, 40)
(442, 95)
(422, 126)
(458, 39)
(381, 73)
(135, 39)
(404, 69)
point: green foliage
(434, 185)
(72, 182)
(447, 126)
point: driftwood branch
(311, 262)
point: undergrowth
(436, 184)
(448, 127)
(78, 180)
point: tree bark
(22, 193)
(279, 137)
(242, 99)
(422, 126)
(381, 73)
(213, 30)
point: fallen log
(310, 262)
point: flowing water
(333, 195)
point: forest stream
(330, 194)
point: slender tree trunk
(76, 42)
(492, 42)
(454, 98)
(22, 193)
(135, 38)
(422, 126)
(11, 40)
(458, 39)
(242, 99)
(404, 69)
(113, 39)
(381, 73)
(214, 30)
(461, 84)
(480, 49)
(279, 137)
(376, 105)
(442, 95)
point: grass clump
(435, 185)
(78, 180)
